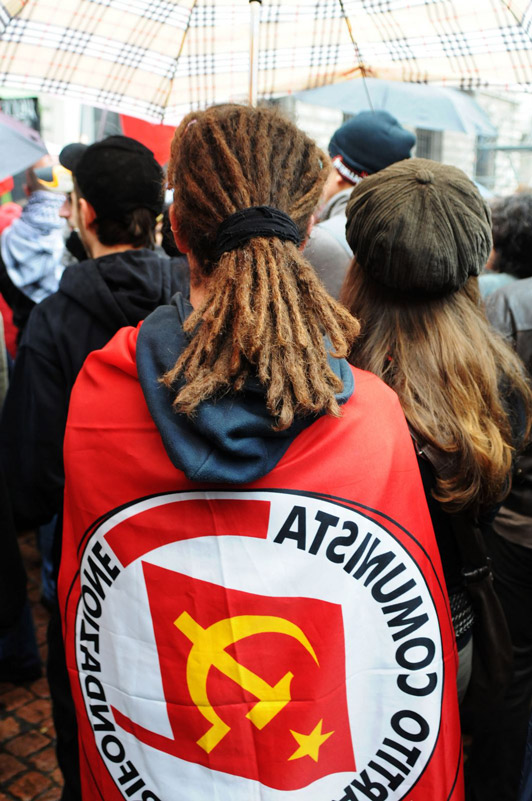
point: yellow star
(310, 744)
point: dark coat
(94, 300)
(12, 574)
(509, 310)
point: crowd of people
(279, 464)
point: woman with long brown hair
(420, 234)
(250, 588)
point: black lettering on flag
(105, 561)
(94, 689)
(377, 563)
(147, 795)
(392, 595)
(374, 790)
(404, 610)
(357, 554)
(344, 542)
(139, 784)
(416, 642)
(113, 748)
(129, 774)
(88, 636)
(325, 520)
(97, 712)
(95, 575)
(299, 534)
(427, 689)
(393, 780)
(393, 761)
(91, 602)
(412, 754)
(414, 736)
(89, 661)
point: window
(485, 162)
(428, 144)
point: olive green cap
(419, 227)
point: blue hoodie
(230, 439)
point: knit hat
(116, 176)
(369, 142)
(420, 227)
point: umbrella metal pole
(254, 50)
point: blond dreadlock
(267, 312)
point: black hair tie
(253, 222)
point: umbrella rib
(180, 52)
(357, 51)
(514, 15)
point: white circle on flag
(393, 652)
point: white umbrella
(159, 58)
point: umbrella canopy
(20, 146)
(419, 105)
(158, 59)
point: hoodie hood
(121, 289)
(230, 439)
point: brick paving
(28, 767)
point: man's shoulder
(490, 282)
(336, 206)
(49, 319)
(328, 252)
(49, 306)
(511, 305)
(335, 227)
(41, 314)
(74, 274)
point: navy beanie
(369, 142)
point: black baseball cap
(116, 176)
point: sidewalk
(28, 767)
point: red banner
(287, 637)
(231, 663)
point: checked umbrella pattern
(158, 59)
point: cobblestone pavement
(28, 767)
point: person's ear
(179, 239)
(86, 213)
(340, 180)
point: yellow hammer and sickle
(208, 650)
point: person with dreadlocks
(252, 598)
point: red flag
(254, 686)
(325, 571)
(157, 137)
(6, 185)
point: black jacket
(509, 310)
(95, 298)
(12, 574)
(20, 304)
